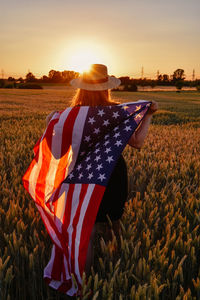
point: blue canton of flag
(106, 132)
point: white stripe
(55, 284)
(66, 268)
(56, 146)
(72, 291)
(79, 227)
(49, 266)
(48, 225)
(61, 204)
(75, 202)
(77, 136)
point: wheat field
(157, 254)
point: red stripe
(36, 147)
(65, 286)
(66, 219)
(83, 192)
(57, 264)
(66, 145)
(88, 223)
(27, 174)
(53, 226)
(46, 158)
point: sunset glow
(130, 38)
(80, 56)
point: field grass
(157, 255)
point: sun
(81, 55)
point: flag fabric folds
(67, 178)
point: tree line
(127, 83)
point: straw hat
(96, 79)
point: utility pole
(142, 73)
(157, 74)
(193, 75)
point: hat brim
(111, 83)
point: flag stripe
(60, 207)
(77, 135)
(56, 153)
(88, 216)
(68, 205)
(75, 200)
(82, 198)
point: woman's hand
(138, 137)
(153, 108)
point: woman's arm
(137, 139)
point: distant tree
(2, 83)
(125, 80)
(67, 76)
(178, 75)
(165, 77)
(55, 76)
(179, 85)
(30, 77)
(160, 77)
(11, 78)
(20, 79)
(44, 78)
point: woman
(94, 91)
(70, 192)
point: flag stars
(106, 122)
(126, 121)
(138, 107)
(107, 136)
(115, 115)
(127, 128)
(117, 134)
(90, 175)
(97, 150)
(101, 112)
(80, 176)
(109, 159)
(107, 150)
(118, 143)
(87, 138)
(106, 143)
(79, 167)
(98, 158)
(96, 130)
(71, 175)
(89, 167)
(88, 158)
(101, 177)
(91, 120)
(99, 167)
(116, 128)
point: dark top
(112, 203)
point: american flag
(67, 178)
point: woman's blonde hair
(92, 98)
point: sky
(126, 35)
